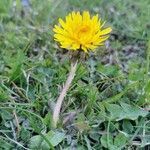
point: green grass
(107, 106)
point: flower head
(81, 32)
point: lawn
(108, 103)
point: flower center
(84, 29)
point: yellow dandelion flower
(81, 32)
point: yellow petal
(105, 31)
(86, 16)
(62, 23)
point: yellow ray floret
(81, 32)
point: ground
(107, 106)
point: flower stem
(63, 93)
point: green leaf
(47, 119)
(88, 143)
(147, 87)
(4, 145)
(3, 95)
(127, 126)
(115, 110)
(132, 112)
(55, 137)
(104, 141)
(125, 111)
(25, 134)
(118, 96)
(108, 70)
(15, 64)
(120, 140)
(37, 142)
(136, 76)
(82, 126)
(145, 141)
(6, 115)
(118, 144)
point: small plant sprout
(79, 33)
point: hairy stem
(63, 93)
